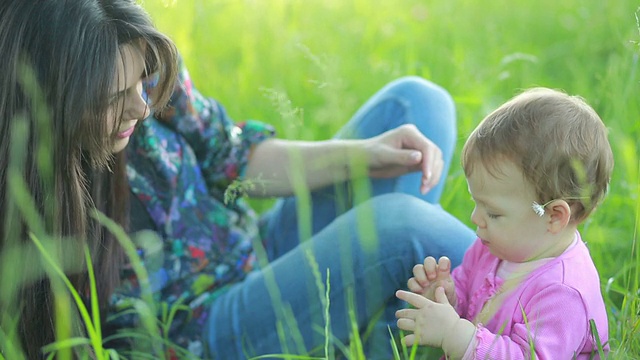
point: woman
(182, 165)
(71, 79)
(88, 58)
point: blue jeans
(367, 249)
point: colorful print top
(180, 162)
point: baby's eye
(493, 216)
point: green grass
(306, 65)
(327, 57)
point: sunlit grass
(330, 56)
(305, 66)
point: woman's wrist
(352, 157)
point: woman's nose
(137, 107)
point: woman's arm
(277, 166)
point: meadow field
(306, 66)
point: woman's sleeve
(222, 147)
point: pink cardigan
(559, 298)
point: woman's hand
(402, 150)
(319, 163)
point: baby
(527, 288)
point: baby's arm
(435, 323)
(431, 275)
(554, 327)
(552, 324)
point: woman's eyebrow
(117, 94)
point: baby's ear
(559, 215)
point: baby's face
(505, 220)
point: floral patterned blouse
(180, 162)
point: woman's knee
(401, 217)
(416, 86)
(401, 203)
(397, 212)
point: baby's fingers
(409, 340)
(430, 268)
(416, 300)
(414, 286)
(419, 275)
(406, 324)
(444, 267)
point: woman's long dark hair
(57, 70)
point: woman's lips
(125, 134)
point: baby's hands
(429, 322)
(429, 276)
(434, 323)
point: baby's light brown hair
(558, 141)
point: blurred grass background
(323, 58)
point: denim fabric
(368, 249)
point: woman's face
(126, 104)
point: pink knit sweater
(558, 299)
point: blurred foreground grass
(327, 57)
